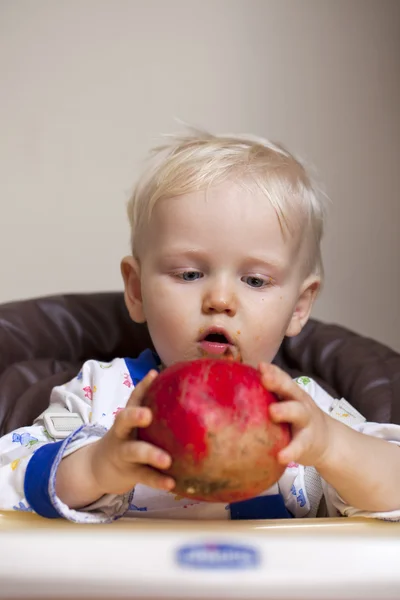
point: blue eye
(190, 275)
(255, 282)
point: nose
(219, 299)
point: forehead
(227, 216)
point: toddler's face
(217, 277)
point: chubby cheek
(261, 347)
(264, 336)
(169, 322)
(164, 336)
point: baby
(225, 261)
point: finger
(130, 418)
(293, 451)
(280, 383)
(135, 399)
(148, 476)
(138, 452)
(290, 411)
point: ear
(304, 304)
(130, 269)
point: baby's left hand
(312, 429)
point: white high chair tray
(142, 559)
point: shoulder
(101, 370)
(317, 393)
(93, 377)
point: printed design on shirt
(25, 439)
(22, 507)
(293, 465)
(46, 434)
(301, 500)
(89, 391)
(140, 508)
(80, 376)
(134, 507)
(127, 380)
(15, 464)
(118, 410)
(303, 380)
(105, 366)
(178, 498)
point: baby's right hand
(119, 461)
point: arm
(117, 462)
(34, 467)
(361, 468)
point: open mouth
(218, 344)
(216, 338)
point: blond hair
(197, 160)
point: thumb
(136, 398)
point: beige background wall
(87, 85)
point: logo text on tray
(218, 556)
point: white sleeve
(29, 457)
(389, 432)
(16, 449)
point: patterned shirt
(29, 458)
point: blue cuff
(37, 478)
(262, 507)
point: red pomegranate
(212, 416)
